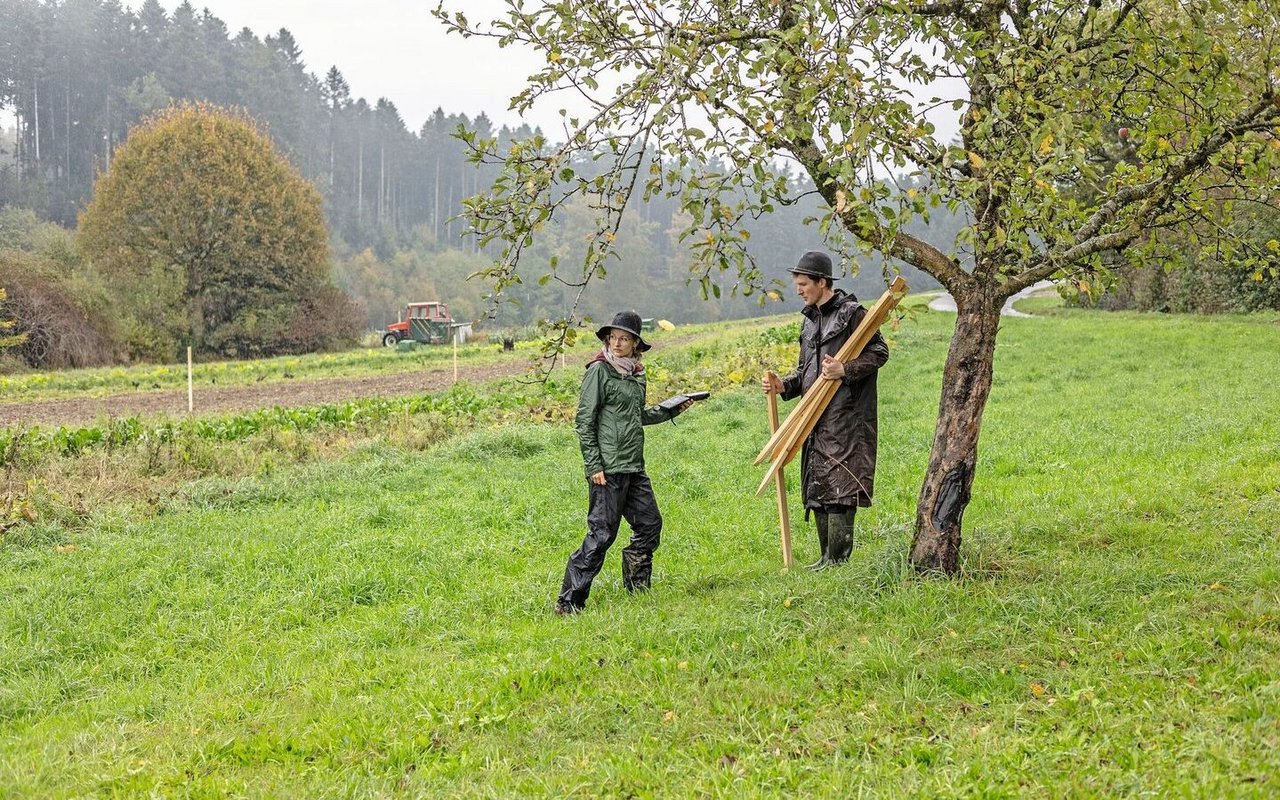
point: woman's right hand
(598, 479)
(771, 384)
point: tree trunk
(35, 98)
(110, 139)
(966, 382)
(66, 143)
(360, 181)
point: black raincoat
(838, 462)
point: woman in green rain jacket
(610, 420)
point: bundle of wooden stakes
(789, 437)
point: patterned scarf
(623, 364)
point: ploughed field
(212, 399)
(81, 397)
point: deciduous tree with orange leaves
(226, 236)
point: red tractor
(429, 323)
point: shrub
(64, 318)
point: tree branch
(1153, 195)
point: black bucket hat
(628, 321)
(815, 264)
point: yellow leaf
(554, 57)
(670, 716)
(1217, 587)
(1037, 689)
(65, 548)
(683, 665)
(736, 376)
(842, 201)
(975, 160)
(1046, 145)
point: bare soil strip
(222, 400)
(211, 400)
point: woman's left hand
(832, 368)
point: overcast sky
(395, 49)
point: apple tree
(711, 101)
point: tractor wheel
(390, 340)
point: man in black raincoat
(838, 462)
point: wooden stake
(781, 481)
(788, 440)
(191, 393)
(455, 358)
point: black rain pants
(626, 496)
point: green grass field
(379, 625)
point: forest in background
(76, 75)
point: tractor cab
(434, 311)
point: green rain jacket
(611, 411)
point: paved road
(945, 302)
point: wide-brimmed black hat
(815, 264)
(628, 321)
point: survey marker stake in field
(790, 436)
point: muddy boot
(824, 560)
(637, 571)
(839, 536)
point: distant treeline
(77, 74)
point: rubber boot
(824, 561)
(637, 571)
(839, 536)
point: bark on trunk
(966, 382)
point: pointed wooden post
(781, 482)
